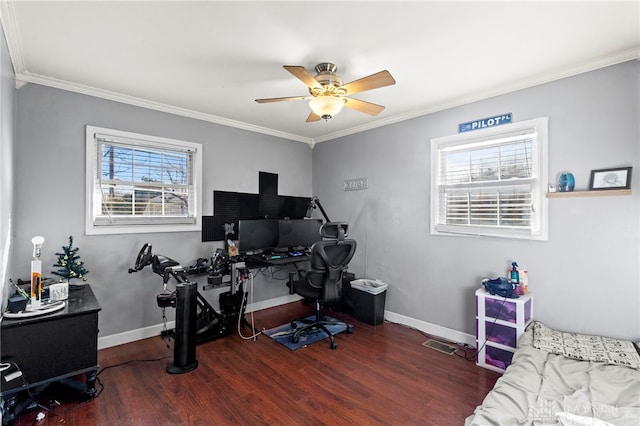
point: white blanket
(541, 388)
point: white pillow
(586, 347)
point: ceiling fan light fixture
(326, 106)
(327, 93)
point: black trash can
(368, 298)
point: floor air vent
(440, 347)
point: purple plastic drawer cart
(499, 324)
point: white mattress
(540, 388)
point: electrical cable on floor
(131, 361)
(80, 404)
(462, 346)
(35, 403)
(243, 304)
(98, 382)
(99, 391)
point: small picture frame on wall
(607, 179)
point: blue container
(566, 182)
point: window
(139, 183)
(491, 182)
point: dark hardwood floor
(377, 375)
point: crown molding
(10, 27)
(554, 75)
(26, 77)
(22, 77)
(617, 58)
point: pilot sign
(484, 123)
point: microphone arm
(315, 202)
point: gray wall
(50, 195)
(584, 279)
(7, 113)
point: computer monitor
(258, 234)
(298, 232)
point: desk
(257, 261)
(51, 348)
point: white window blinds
(489, 185)
(141, 182)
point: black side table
(50, 348)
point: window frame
(139, 224)
(538, 229)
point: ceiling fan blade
(303, 75)
(374, 81)
(290, 98)
(364, 106)
(313, 117)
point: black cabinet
(50, 348)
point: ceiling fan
(327, 93)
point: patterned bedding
(545, 388)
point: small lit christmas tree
(69, 264)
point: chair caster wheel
(294, 325)
(349, 329)
(334, 345)
(295, 338)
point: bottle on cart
(514, 277)
(524, 280)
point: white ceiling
(211, 59)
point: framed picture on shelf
(618, 178)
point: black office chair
(323, 281)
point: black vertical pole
(184, 352)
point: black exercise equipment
(209, 323)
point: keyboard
(277, 258)
(272, 256)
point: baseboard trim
(266, 304)
(132, 335)
(155, 330)
(426, 327)
(432, 329)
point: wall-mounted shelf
(576, 194)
